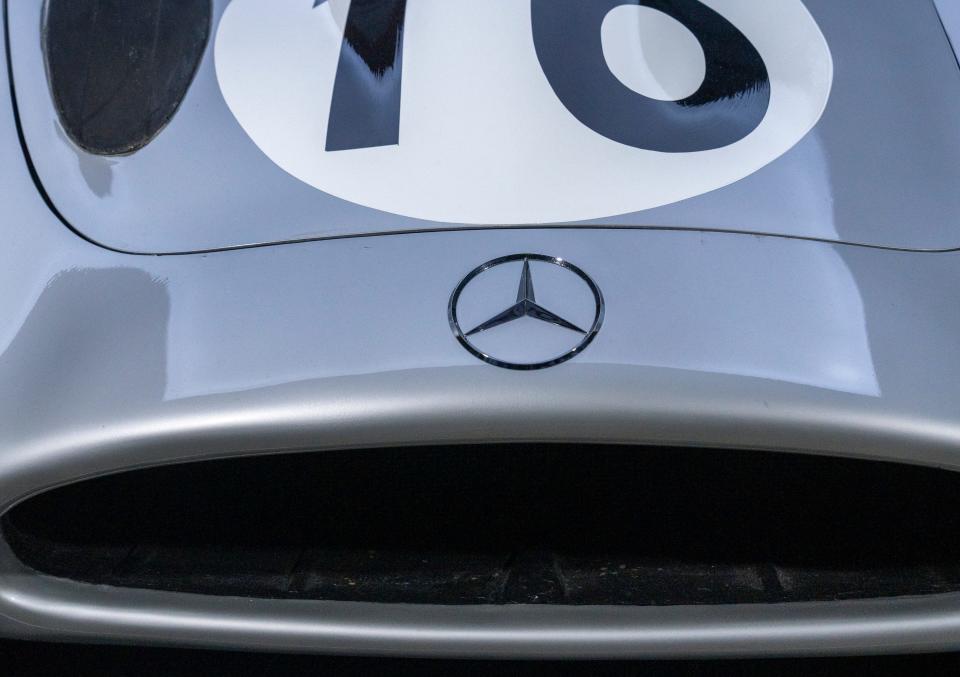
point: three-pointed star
(526, 306)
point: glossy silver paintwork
(950, 16)
(880, 168)
(112, 361)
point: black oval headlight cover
(118, 70)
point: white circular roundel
(521, 111)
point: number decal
(520, 111)
(365, 108)
(730, 104)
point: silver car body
(134, 338)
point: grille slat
(507, 524)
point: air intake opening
(504, 524)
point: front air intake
(507, 524)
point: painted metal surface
(111, 361)
(204, 184)
(950, 16)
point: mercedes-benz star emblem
(572, 313)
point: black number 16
(730, 103)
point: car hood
(310, 120)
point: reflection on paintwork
(807, 207)
(652, 53)
(97, 170)
(365, 104)
(120, 313)
(798, 319)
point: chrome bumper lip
(37, 606)
(583, 403)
